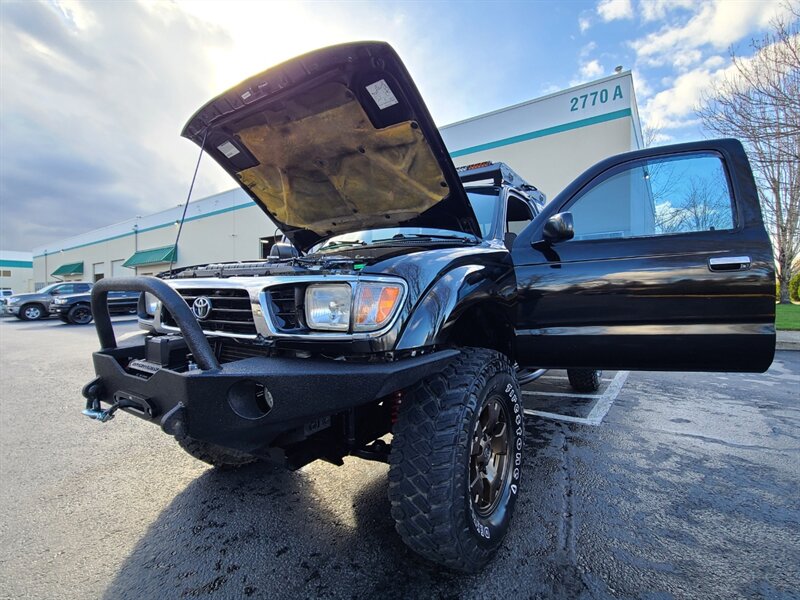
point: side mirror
(559, 228)
(55, 292)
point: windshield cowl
(393, 236)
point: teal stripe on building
(20, 264)
(153, 228)
(612, 116)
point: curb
(795, 346)
(787, 340)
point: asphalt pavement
(688, 488)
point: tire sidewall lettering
(487, 529)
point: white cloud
(551, 88)
(714, 62)
(653, 10)
(674, 107)
(717, 24)
(91, 109)
(611, 10)
(592, 69)
(588, 49)
(94, 96)
(683, 59)
(682, 46)
(641, 85)
(584, 24)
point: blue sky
(93, 95)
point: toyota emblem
(201, 307)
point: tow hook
(93, 410)
(131, 402)
(100, 414)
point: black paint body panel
(649, 303)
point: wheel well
(34, 303)
(484, 325)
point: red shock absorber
(397, 400)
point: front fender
(454, 292)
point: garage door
(117, 270)
(99, 270)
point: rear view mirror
(559, 228)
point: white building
(553, 139)
(548, 140)
(16, 271)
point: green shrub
(794, 287)
(777, 290)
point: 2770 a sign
(592, 99)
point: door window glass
(518, 215)
(660, 196)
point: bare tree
(652, 134)
(758, 101)
(691, 203)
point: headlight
(12, 300)
(329, 306)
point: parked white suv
(5, 293)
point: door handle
(729, 263)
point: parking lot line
(129, 335)
(560, 394)
(599, 410)
(565, 378)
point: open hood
(335, 141)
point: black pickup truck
(397, 331)
(76, 309)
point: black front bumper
(222, 406)
(243, 404)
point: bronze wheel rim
(489, 464)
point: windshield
(484, 204)
(46, 289)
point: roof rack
(500, 173)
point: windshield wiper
(342, 244)
(427, 236)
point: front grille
(285, 304)
(231, 311)
(229, 351)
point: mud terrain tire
(440, 442)
(584, 380)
